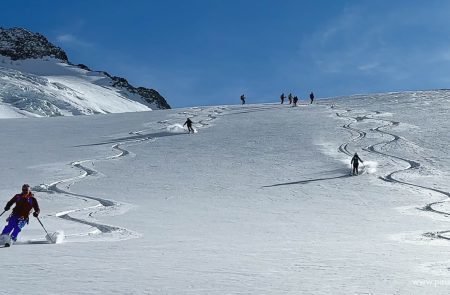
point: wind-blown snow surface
(49, 87)
(259, 201)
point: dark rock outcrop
(18, 43)
(149, 95)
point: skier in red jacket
(24, 201)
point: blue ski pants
(14, 225)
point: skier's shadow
(135, 137)
(33, 242)
(308, 181)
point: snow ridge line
(411, 165)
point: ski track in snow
(104, 204)
(203, 117)
(412, 165)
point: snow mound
(176, 128)
(370, 166)
(56, 237)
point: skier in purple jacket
(25, 201)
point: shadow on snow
(134, 137)
(308, 181)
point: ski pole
(37, 217)
(2, 213)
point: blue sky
(209, 52)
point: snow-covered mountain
(37, 79)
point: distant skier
(25, 201)
(311, 97)
(188, 123)
(243, 99)
(282, 97)
(295, 101)
(290, 98)
(355, 162)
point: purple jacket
(24, 204)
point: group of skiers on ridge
(292, 99)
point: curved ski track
(391, 176)
(104, 204)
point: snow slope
(49, 87)
(259, 201)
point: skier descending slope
(24, 201)
(355, 161)
(189, 125)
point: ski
(5, 240)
